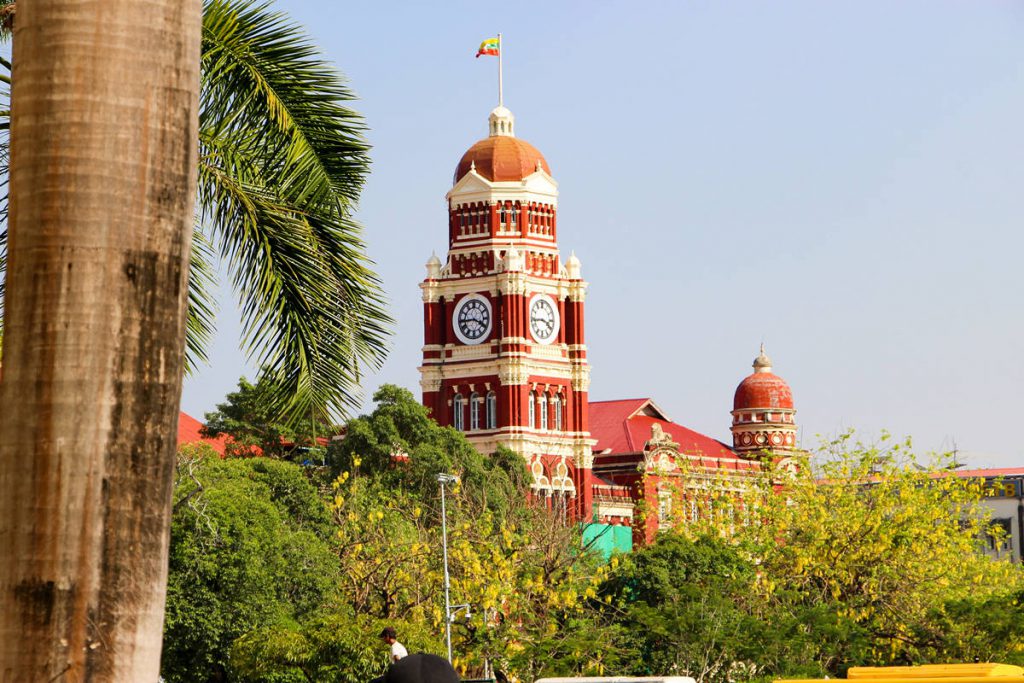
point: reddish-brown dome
(501, 158)
(763, 390)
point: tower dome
(762, 388)
(763, 413)
(501, 156)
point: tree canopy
(864, 556)
(864, 560)
(371, 529)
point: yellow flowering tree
(868, 549)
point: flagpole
(501, 49)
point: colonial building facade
(505, 356)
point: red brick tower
(763, 414)
(504, 358)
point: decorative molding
(662, 458)
(432, 384)
(513, 372)
(580, 377)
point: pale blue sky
(842, 180)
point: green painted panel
(608, 539)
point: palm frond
(282, 164)
(200, 323)
(7, 10)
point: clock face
(472, 319)
(544, 320)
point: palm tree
(109, 126)
(281, 163)
(103, 176)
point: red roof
(762, 390)
(624, 426)
(501, 158)
(995, 472)
(188, 432)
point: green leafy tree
(401, 447)
(519, 566)
(972, 629)
(251, 548)
(683, 606)
(248, 417)
(282, 160)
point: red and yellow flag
(491, 46)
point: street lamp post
(442, 479)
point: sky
(842, 181)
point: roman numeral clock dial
(472, 319)
(544, 320)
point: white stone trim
(604, 508)
(537, 187)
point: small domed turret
(501, 122)
(762, 411)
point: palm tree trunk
(103, 138)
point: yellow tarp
(928, 673)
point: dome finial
(572, 267)
(501, 122)
(762, 363)
(433, 267)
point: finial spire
(433, 266)
(762, 363)
(572, 267)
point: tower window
(531, 410)
(458, 417)
(542, 406)
(474, 411)
(556, 404)
(492, 410)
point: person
(398, 651)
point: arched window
(458, 415)
(556, 404)
(492, 410)
(513, 216)
(474, 411)
(542, 407)
(664, 507)
(531, 410)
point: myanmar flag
(491, 46)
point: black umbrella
(421, 668)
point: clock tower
(504, 358)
